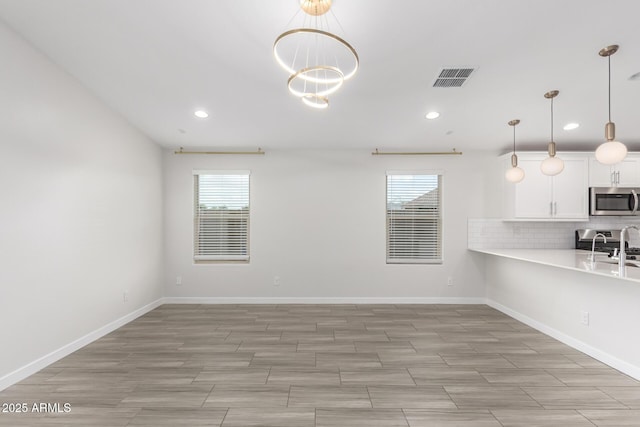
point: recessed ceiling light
(432, 115)
(571, 126)
(201, 114)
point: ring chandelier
(318, 61)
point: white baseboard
(33, 367)
(322, 300)
(606, 358)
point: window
(414, 218)
(221, 216)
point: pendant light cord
(551, 119)
(514, 139)
(609, 58)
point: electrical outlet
(584, 318)
(125, 296)
(276, 280)
(449, 281)
(179, 281)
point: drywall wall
(318, 224)
(553, 300)
(81, 216)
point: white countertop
(571, 259)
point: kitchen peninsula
(557, 290)
(571, 259)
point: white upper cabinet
(623, 174)
(570, 190)
(533, 196)
(540, 197)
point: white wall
(551, 299)
(81, 210)
(318, 222)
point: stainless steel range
(584, 240)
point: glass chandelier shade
(611, 151)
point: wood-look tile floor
(327, 365)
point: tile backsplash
(486, 233)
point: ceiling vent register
(452, 77)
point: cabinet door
(533, 194)
(600, 175)
(623, 174)
(570, 192)
(627, 173)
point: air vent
(452, 77)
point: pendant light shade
(514, 174)
(552, 165)
(611, 151)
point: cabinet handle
(613, 178)
(618, 177)
(550, 208)
(555, 208)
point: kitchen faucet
(593, 245)
(622, 256)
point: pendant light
(611, 151)
(514, 173)
(552, 165)
(317, 61)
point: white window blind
(221, 215)
(414, 218)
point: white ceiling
(156, 61)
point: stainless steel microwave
(613, 201)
